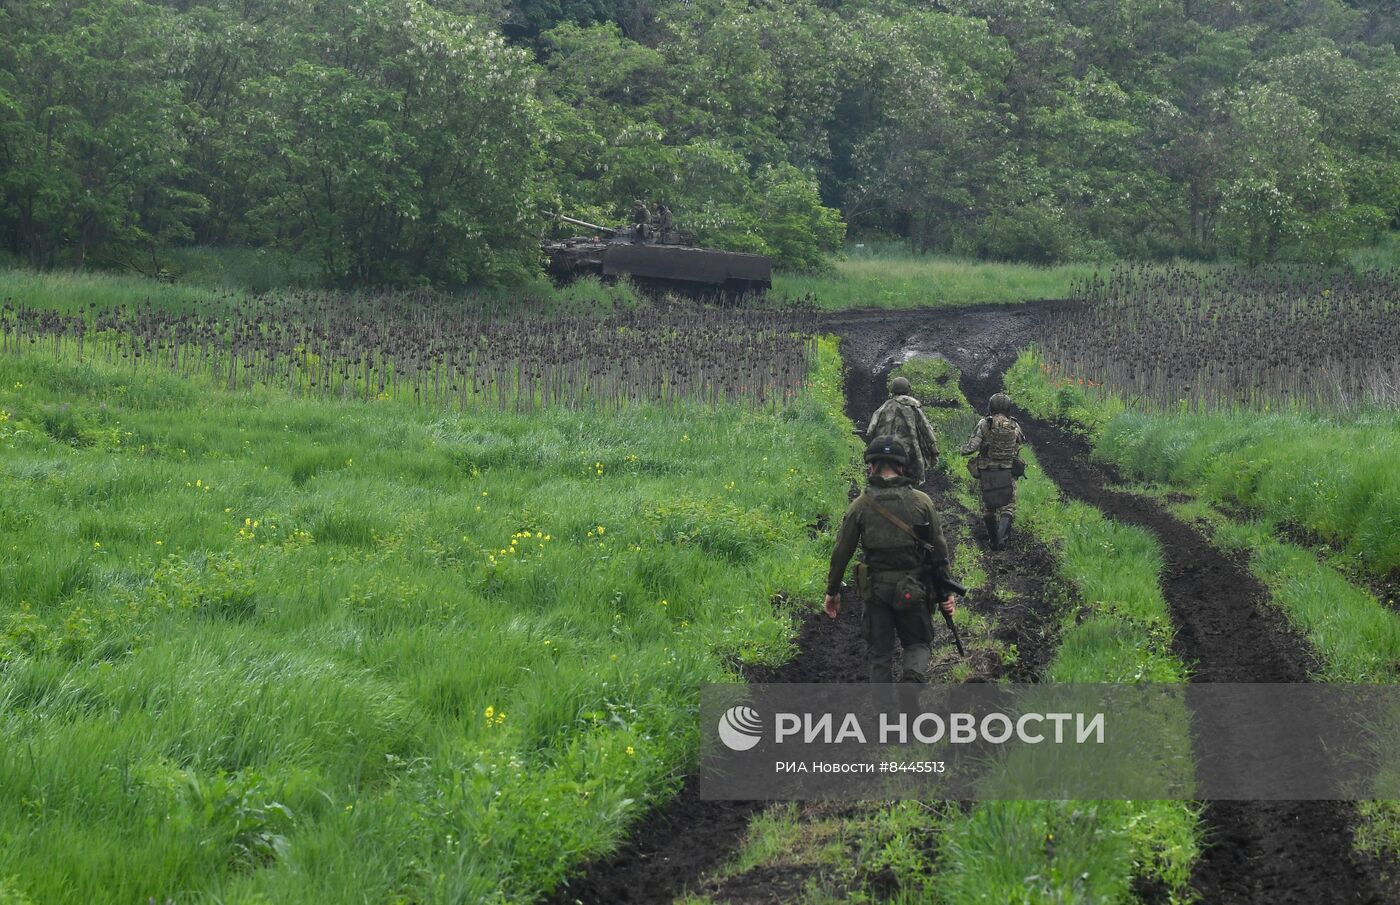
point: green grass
(71, 291)
(1335, 478)
(256, 649)
(237, 267)
(888, 275)
(1383, 255)
(1061, 851)
(915, 281)
(1356, 637)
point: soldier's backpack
(999, 443)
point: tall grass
(1333, 478)
(72, 291)
(238, 267)
(262, 649)
(1069, 851)
(1383, 255)
(206, 289)
(903, 280)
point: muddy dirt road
(1256, 852)
(675, 847)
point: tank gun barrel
(584, 223)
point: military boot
(916, 660)
(991, 522)
(1003, 530)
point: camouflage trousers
(912, 627)
(1004, 509)
(998, 491)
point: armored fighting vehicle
(660, 261)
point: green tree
(1285, 188)
(399, 148)
(630, 122)
(91, 146)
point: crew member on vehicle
(996, 447)
(902, 417)
(641, 220)
(895, 526)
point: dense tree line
(401, 141)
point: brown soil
(1256, 852)
(679, 843)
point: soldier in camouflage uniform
(641, 220)
(896, 604)
(902, 417)
(665, 223)
(996, 442)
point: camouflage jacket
(888, 550)
(978, 439)
(903, 417)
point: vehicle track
(678, 844)
(1256, 852)
(1289, 853)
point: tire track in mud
(1276, 852)
(1256, 852)
(679, 842)
(675, 846)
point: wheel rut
(1279, 853)
(1289, 853)
(678, 847)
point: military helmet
(886, 449)
(900, 386)
(1000, 404)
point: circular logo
(740, 728)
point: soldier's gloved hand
(948, 607)
(833, 605)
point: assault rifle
(938, 584)
(933, 571)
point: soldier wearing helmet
(902, 417)
(886, 522)
(996, 445)
(641, 221)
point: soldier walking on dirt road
(996, 442)
(902, 417)
(891, 522)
